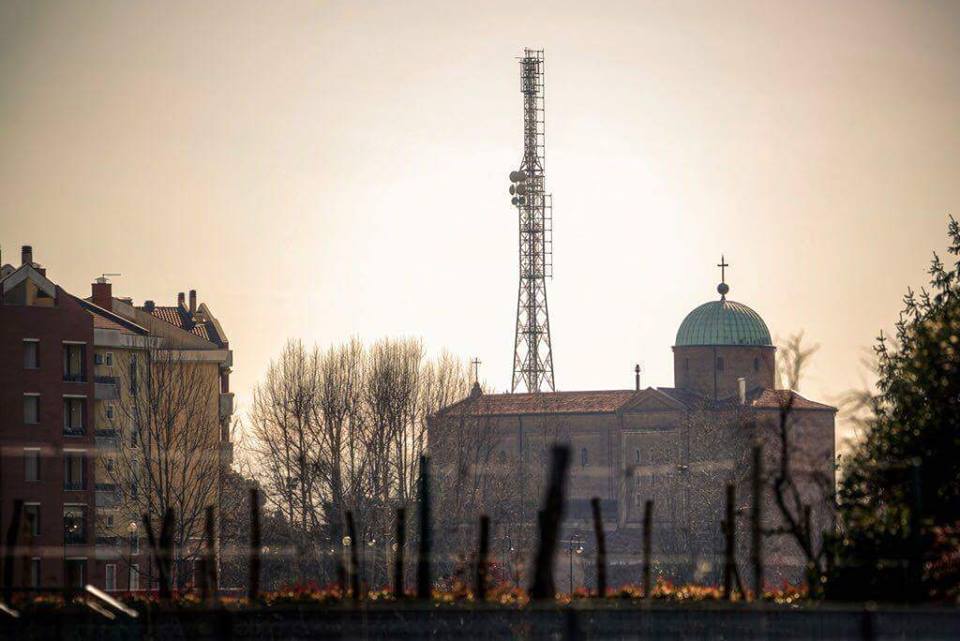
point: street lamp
(575, 544)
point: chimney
(636, 371)
(102, 293)
(193, 301)
(742, 386)
(148, 306)
(26, 255)
(180, 301)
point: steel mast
(532, 354)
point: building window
(31, 514)
(110, 582)
(637, 454)
(584, 457)
(133, 374)
(756, 364)
(73, 362)
(73, 415)
(134, 581)
(74, 524)
(109, 411)
(109, 521)
(719, 363)
(35, 575)
(31, 354)
(31, 409)
(31, 464)
(103, 358)
(75, 573)
(73, 478)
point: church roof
(723, 322)
(612, 401)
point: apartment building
(75, 449)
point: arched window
(584, 457)
(756, 364)
(719, 363)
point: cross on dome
(723, 288)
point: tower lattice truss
(532, 354)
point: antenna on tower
(532, 353)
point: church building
(677, 446)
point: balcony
(71, 377)
(226, 405)
(73, 486)
(106, 388)
(73, 431)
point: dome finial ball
(723, 288)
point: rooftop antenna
(532, 353)
(105, 278)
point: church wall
(696, 368)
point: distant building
(678, 446)
(65, 367)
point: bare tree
(167, 447)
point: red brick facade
(64, 323)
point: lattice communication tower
(532, 354)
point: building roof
(181, 318)
(105, 319)
(612, 401)
(723, 322)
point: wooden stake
(601, 548)
(756, 521)
(551, 516)
(647, 545)
(254, 553)
(483, 550)
(354, 569)
(424, 583)
(401, 543)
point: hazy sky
(323, 169)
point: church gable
(652, 399)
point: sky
(322, 170)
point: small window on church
(638, 456)
(756, 364)
(719, 363)
(584, 458)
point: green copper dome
(723, 322)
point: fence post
(729, 532)
(601, 548)
(647, 545)
(543, 586)
(483, 550)
(354, 570)
(254, 552)
(424, 584)
(756, 520)
(210, 581)
(398, 557)
(13, 537)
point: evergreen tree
(901, 485)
